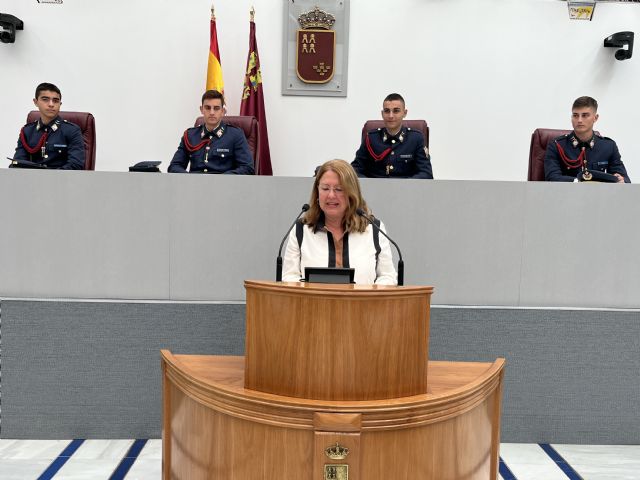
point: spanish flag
(214, 68)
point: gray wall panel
(572, 376)
(227, 232)
(92, 369)
(194, 237)
(464, 238)
(80, 234)
(581, 246)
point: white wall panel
(484, 74)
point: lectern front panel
(337, 342)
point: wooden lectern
(335, 385)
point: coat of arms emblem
(316, 47)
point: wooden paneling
(337, 342)
(325, 366)
(207, 445)
(217, 429)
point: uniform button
(393, 153)
(393, 141)
(206, 161)
(391, 167)
(222, 155)
(205, 170)
(210, 136)
(207, 148)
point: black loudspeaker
(619, 40)
(9, 24)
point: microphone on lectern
(361, 212)
(304, 208)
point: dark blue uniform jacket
(401, 156)
(61, 142)
(225, 150)
(601, 152)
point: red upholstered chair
(87, 124)
(539, 141)
(419, 125)
(249, 126)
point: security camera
(619, 40)
(8, 26)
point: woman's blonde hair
(352, 222)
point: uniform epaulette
(375, 130)
(192, 130)
(70, 124)
(566, 135)
(597, 134)
(232, 126)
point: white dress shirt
(359, 252)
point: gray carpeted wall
(89, 369)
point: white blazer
(359, 249)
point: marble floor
(141, 460)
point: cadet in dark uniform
(50, 141)
(214, 147)
(565, 156)
(393, 151)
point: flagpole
(215, 80)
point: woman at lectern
(335, 231)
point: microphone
(305, 207)
(360, 212)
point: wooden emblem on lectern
(336, 472)
(316, 47)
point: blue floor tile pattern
(127, 461)
(142, 460)
(505, 473)
(61, 460)
(561, 462)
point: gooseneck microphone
(305, 207)
(361, 212)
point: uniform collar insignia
(54, 125)
(218, 131)
(398, 136)
(575, 141)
